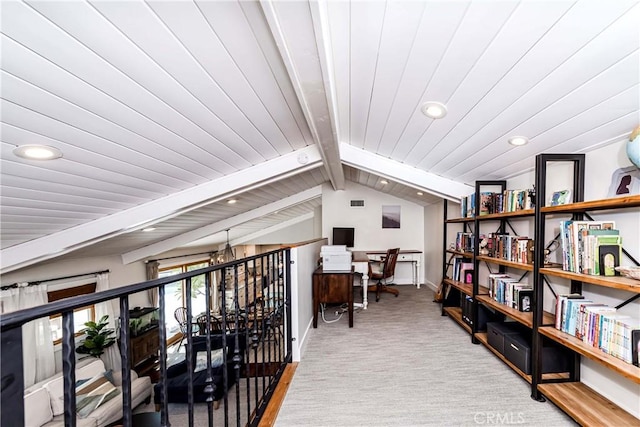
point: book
(635, 346)
(560, 301)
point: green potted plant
(97, 337)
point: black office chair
(384, 276)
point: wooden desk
(332, 287)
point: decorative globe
(633, 147)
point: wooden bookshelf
(594, 205)
(498, 261)
(627, 370)
(503, 215)
(456, 314)
(524, 317)
(460, 220)
(465, 288)
(616, 282)
(460, 253)
(586, 406)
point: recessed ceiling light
(518, 140)
(37, 152)
(420, 193)
(434, 110)
(146, 230)
(231, 201)
(384, 182)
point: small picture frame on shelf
(561, 197)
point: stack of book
(508, 291)
(510, 248)
(590, 247)
(464, 241)
(599, 325)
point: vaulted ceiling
(165, 110)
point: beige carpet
(405, 365)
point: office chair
(384, 275)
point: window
(80, 315)
(175, 293)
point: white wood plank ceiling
(165, 109)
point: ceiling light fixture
(231, 201)
(434, 110)
(384, 182)
(37, 152)
(518, 140)
(148, 229)
(420, 193)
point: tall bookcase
(564, 389)
(574, 397)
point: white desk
(360, 262)
(412, 256)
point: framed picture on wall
(390, 216)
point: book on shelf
(635, 347)
(560, 301)
(496, 202)
(581, 240)
(491, 278)
(597, 325)
(523, 298)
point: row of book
(462, 270)
(599, 325)
(508, 291)
(510, 248)
(590, 247)
(497, 202)
(465, 241)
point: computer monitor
(343, 236)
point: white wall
(304, 260)
(433, 256)
(367, 221)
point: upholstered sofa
(44, 402)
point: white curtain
(152, 274)
(111, 355)
(37, 343)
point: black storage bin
(466, 303)
(496, 332)
(518, 351)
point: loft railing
(250, 298)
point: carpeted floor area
(405, 365)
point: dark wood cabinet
(144, 346)
(332, 287)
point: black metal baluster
(68, 368)
(162, 332)
(189, 348)
(209, 386)
(12, 378)
(124, 356)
